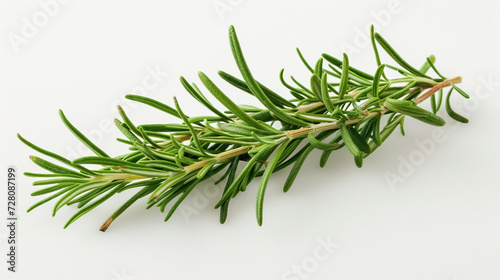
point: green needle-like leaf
(325, 97)
(320, 145)
(454, 115)
(43, 201)
(143, 192)
(344, 78)
(318, 68)
(228, 103)
(154, 103)
(299, 159)
(390, 51)
(230, 179)
(82, 137)
(54, 156)
(273, 96)
(183, 196)
(430, 62)
(200, 98)
(460, 91)
(433, 104)
(350, 144)
(105, 161)
(205, 170)
(376, 132)
(326, 153)
(302, 155)
(87, 208)
(252, 83)
(375, 50)
(339, 63)
(358, 140)
(409, 108)
(240, 177)
(125, 130)
(304, 61)
(265, 179)
(376, 80)
(127, 121)
(316, 86)
(55, 168)
(194, 136)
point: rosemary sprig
(166, 162)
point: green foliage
(167, 161)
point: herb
(343, 106)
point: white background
(442, 222)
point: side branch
(434, 89)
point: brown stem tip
(106, 224)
